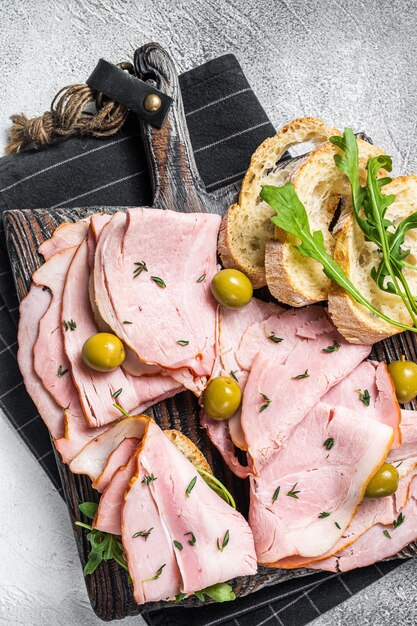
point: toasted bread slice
(291, 277)
(189, 449)
(247, 225)
(357, 257)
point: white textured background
(352, 63)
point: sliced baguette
(357, 257)
(291, 277)
(189, 449)
(247, 225)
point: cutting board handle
(175, 179)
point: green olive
(103, 352)
(232, 288)
(383, 483)
(404, 376)
(222, 398)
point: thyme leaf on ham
(276, 494)
(61, 372)
(400, 519)
(178, 544)
(182, 342)
(127, 322)
(193, 540)
(364, 396)
(329, 443)
(119, 408)
(300, 376)
(292, 493)
(221, 546)
(323, 514)
(267, 402)
(333, 348)
(337, 525)
(387, 535)
(69, 324)
(159, 281)
(272, 337)
(140, 267)
(233, 375)
(191, 486)
(143, 533)
(157, 575)
(202, 277)
(117, 393)
(147, 480)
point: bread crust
(189, 449)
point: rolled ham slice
(32, 308)
(302, 502)
(173, 340)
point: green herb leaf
(183, 342)
(323, 514)
(337, 525)
(222, 592)
(300, 376)
(180, 596)
(69, 325)
(191, 486)
(126, 322)
(147, 480)
(333, 348)
(88, 509)
(292, 493)
(202, 277)
(122, 411)
(233, 375)
(140, 267)
(267, 402)
(178, 545)
(400, 519)
(216, 486)
(157, 575)
(221, 545)
(272, 336)
(143, 533)
(386, 533)
(159, 281)
(329, 443)
(117, 393)
(276, 494)
(193, 540)
(364, 397)
(292, 217)
(61, 372)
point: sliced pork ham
(77, 434)
(32, 308)
(118, 458)
(278, 395)
(369, 390)
(108, 517)
(162, 295)
(66, 235)
(210, 541)
(302, 503)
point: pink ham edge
(32, 308)
(180, 306)
(201, 511)
(66, 235)
(108, 517)
(266, 430)
(327, 481)
(383, 403)
(118, 458)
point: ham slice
(118, 458)
(219, 435)
(66, 235)
(213, 541)
(93, 457)
(32, 309)
(375, 545)
(50, 340)
(408, 447)
(320, 489)
(278, 395)
(162, 237)
(77, 434)
(108, 517)
(382, 404)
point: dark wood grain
(177, 185)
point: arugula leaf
(88, 509)
(222, 592)
(292, 217)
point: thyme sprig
(140, 266)
(267, 402)
(143, 533)
(221, 545)
(364, 396)
(300, 376)
(69, 324)
(292, 493)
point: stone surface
(350, 63)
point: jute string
(70, 114)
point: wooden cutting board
(176, 185)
